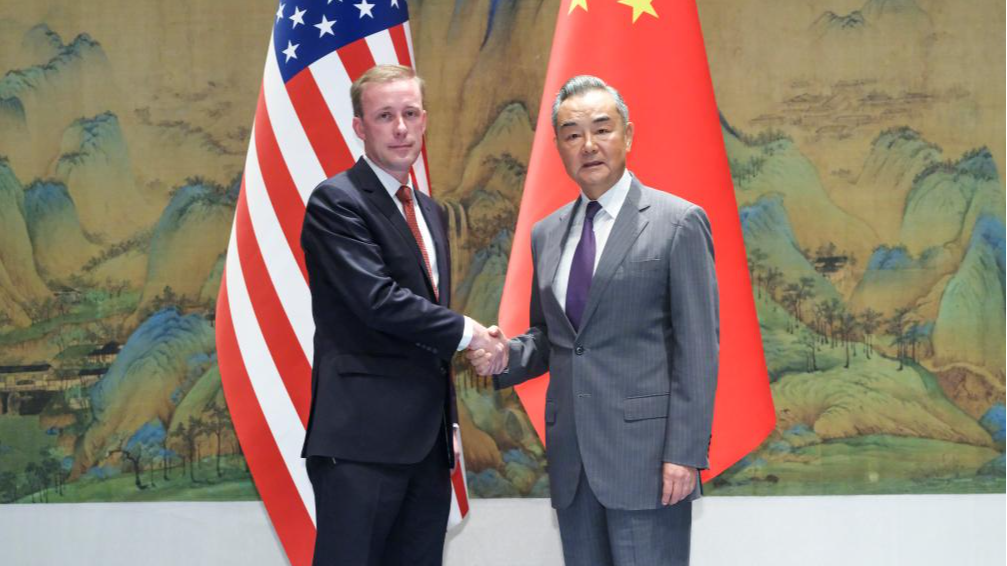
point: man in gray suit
(624, 316)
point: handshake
(488, 350)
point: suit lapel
(439, 233)
(365, 178)
(628, 226)
(552, 250)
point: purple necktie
(582, 269)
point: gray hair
(585, 83)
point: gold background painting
(866, 142)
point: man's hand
(488, 352)
(679, 482)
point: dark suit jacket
(635, 386)
(380, 385)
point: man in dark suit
(381, 436)
(624, 316)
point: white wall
(779, 531)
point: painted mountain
(109, 268)
(866, 145)
(891, 379)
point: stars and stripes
(342, 23)
(302, 134)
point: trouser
(371, 514)
(593, 535)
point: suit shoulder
(338, 188)
(552, 218)
(673, 208)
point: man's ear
(358, 128)
(629, 136)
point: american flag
(302, 135)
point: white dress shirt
(391, 184)
(611, 203)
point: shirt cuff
(466, 335)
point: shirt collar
(391, 184)
(612, 200)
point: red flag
(302, 135)
(652, 52)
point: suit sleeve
(446, 278)
(529, 353)
(695, 322)
(337, 236)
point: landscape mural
(866, 143)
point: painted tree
(870, 320)
(197, 429)
(897, 325)
(791, 300)
(817, 311)
(186, 438)
(806, 292)
(772, 281)
(915, 334)
(133, 457)
(756, 259)
(41, 477)
(53, 471)
(32, 477)
(165, 453)
(8, 486)
(847, 326)
(810, 342)
(831, 311)
(177, 438)
(219, 424)
(150, 453)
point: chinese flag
(652, 52)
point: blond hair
(381, 74)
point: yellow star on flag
(639, 7)
(575, 4)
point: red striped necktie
(405, 196)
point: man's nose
(589, 145)
(400, 125)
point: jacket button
(579, 350)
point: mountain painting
(865, 141)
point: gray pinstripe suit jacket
(635, 387)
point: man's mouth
(592, 164)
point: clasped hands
(488, 351)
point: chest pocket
(642, 265)
(639, 285)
